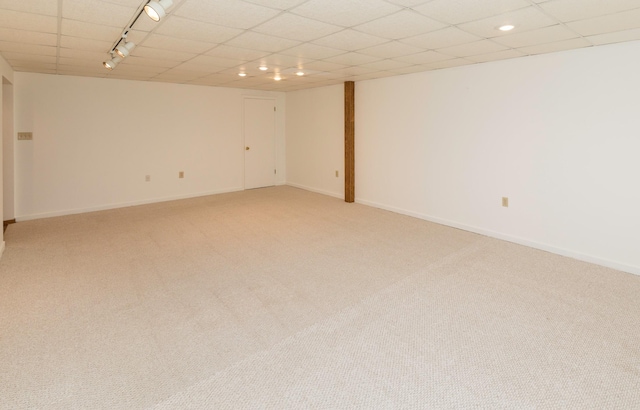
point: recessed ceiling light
(263, 68)
(300, 73)
(506, 27)
(277, 77)
(242, 74)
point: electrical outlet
(337, 173)
(181, 174)
(147, 178)
(505, 201)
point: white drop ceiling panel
(535, 37)
(447, 37)
(405, 23)
(615, 37)
(296, 28)
(197, 30)
(572, 44)
(572, 10)
(461, 11)
(236, 14)
(262, 42)
(525, 19)
(28, 37)
(28, 21)
(345, 13)
(208, 42)
(472, 49)
(350, 40)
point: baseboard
(123, 204)
(509, 238)
(318, 191)
(2, 245)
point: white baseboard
(122, 204)
(318, 191)
(509, 238)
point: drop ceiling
(208, 42)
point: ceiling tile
(349, 59)
(461, 11)
(405, 23)
(555, 46)
(424, 57)
(149, 62)
(295, 27)
(350, 40)
(148, 52)
(34, 65)
(196, 30)
(44, 7)
(324, 66)
(500, 55)
(345, 13)
(447, 37)
(277, 4)
(77, 62)
(391, 49)
(572, 10)
(237, 14)
(262, 42)
(617, 37)
(19, 58)
(97, 12)
(28, 37)
(385, 65)
(176, 44)
(28, 22)
(312, 51)
(91, 31)
(524, 19)
(280, 60)
(239, 53)
(6, 46)
(408, 3)
(456, 62)
(534, 37)
(85, 44)
(607, 24)
(205, 62)
(83, 54)
(471, 49)
(409, 70)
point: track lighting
(123, 50)
(157, 9)
(111, 64)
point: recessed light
(242, 74)
(277, 77)
(506, 27)
(263, 68)
(300, 73)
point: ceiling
(208, 42)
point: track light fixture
(123, 50)
(111, 64)
(157, 9)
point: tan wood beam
(349, 141)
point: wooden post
(349, 141)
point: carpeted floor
(280, 298)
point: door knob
(246, 148)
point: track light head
(125, 49)
(157, 9)
(111, 64)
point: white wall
(6, 76)
(8, 142)
(94, 140)
(315, 139)
(558, 134)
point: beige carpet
(280, 298)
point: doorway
(8, 211)
(259, 126)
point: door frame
(244, 138)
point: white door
(259, 143)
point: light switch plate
(25, 136)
